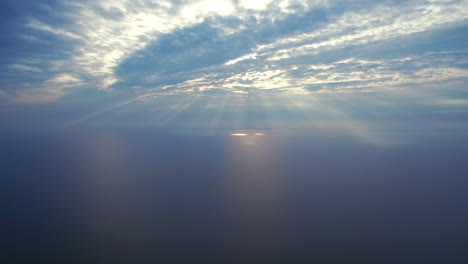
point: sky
(352, 66)
(288, 128)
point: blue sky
(239, 64)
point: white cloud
(362, 27)
(24, 68)
(343, 75)
(255, 4)
(252, 56)
(201, 9)
(35, 24)
(65, 79)
(105, 42)
(108, 32)
(51, 90)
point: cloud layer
(242, 61)
(235, 46)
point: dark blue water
(262, 197)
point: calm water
(230, 197)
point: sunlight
(248, 133)
(238, 134)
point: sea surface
(244, 196)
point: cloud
(295, 57)
(451, 102)
(51, 90)
(24, 67)
(287, 46)
(35, 24)
(242, 58)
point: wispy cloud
(35, 24)
(289, 46)
(51, 90)
(24, 67)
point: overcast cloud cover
(232, 64)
